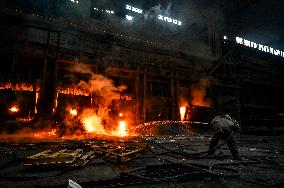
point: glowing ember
(56, 102)
(17, 87)
(74, 91)
(36, 101)
(46, 134)
(26, 119)
(73, 112)
(120, 114)
(182, 111)
(14, 109)
(122, 129)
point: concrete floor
(262, 164)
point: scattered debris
(118, 153)
(63, 157)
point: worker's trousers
(217, 135)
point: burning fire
(120, 114)
(18, 87)
(36, 101)
(73, 112)
(92, 123)
(198, 93)
(122, 128)
(183, 103)
(14, 109)
(182, 111)
(89, 123)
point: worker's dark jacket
(225, 124)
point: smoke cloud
(191, 37)
(198, 93)
(99, 86)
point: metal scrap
(72, 158)
(118, 153)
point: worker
(224, 126)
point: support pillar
(172, 96)
(177, 97)
(144, 97)
(137, 95)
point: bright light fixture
(133, 9)
(75, 1)
(170, 20)
(107, 11)
(260, 47)
(110, 11)
(130, 18)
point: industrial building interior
(124, 93)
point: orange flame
(92, 123)
(182, 111)
(198, 93)
(18, 87)
(73, 112)
(122, 128)
(36, 101)
(56, 102)
(120, 114)
(183, 103)
(14, 109)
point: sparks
(44, 134)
